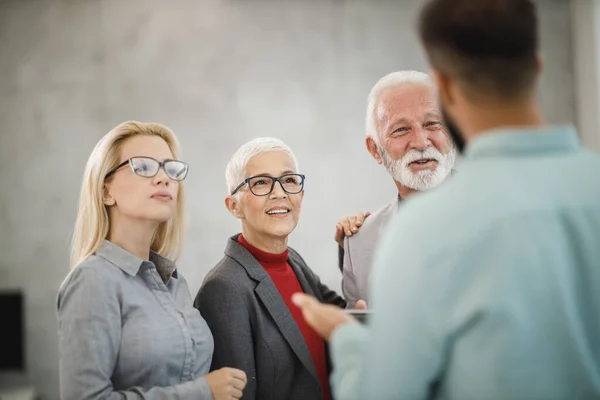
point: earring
(110, 201)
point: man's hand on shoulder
(348, 225)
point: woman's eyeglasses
(148, 167)
(262, 185)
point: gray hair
(236, 167)
(391, 80)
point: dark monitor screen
(12, 355)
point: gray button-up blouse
(125, 334)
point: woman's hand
(226, 383)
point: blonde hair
(92, 224)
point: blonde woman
(126, 323)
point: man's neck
(403, 191)
(267, 243)
(501, 116)
(133, 235)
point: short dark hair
(488, 45)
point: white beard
(422, 180)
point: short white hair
(236, 167)
(391, 80)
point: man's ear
(232, 204)
(373, 150)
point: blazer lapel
(272, 300)
(269, 295)
(306, 287)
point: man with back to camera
(499, 291)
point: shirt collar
(131, 264)
(524, 142)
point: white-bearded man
(406, 135)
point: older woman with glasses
(127, 327)
(246, 298)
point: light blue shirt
(489, 286)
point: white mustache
(415, 155)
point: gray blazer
(254, 330)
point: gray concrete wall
(219, 73)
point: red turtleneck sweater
(287, 283)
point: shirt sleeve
(349, 284)
(89, 323)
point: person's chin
(281, 228)
(160, 216)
